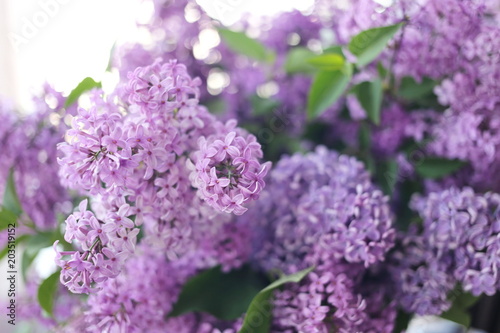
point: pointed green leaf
(438, 167)
(369, 94)
(87, 84)
(461, 302)
(47, 291)
(10, 198)
(368, 44)
(328, 61)
(296, 61)
(259, 313)
(224, 295)
(457, 315)
(239, 42)
(465, 300)
(326, 88)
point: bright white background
(64, 41)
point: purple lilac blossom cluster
(458, 244)
(28, 145)
(133, 153)
(141, 297)
(321, 209)
(159, 167)
(228, 172)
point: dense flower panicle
(336, 299)
(327, 199)
(105, 245)
(131, 151)
(227, 171)
(28, 145)
(422, 284)
(161, 87)
(141, 297)
(458, 245)
(322, 210)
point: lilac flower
(129, 152)
(228, 172)
(322, 210)
(458, 245)
(100, 247)
(28, 146)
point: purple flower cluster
(337, 298)
(105, 245)
(141, 297)
(131, 151)
(228, 172)
(28, 145)
(330, 202)
(322, 210)
(458, 244)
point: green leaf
(457, 315)
(328, 61)
(326, 88)
(336, 49)
(465, 300)
(6, 218)
(369, 94)
(40, 240)
(296, 61)
(19, 239)
(437, 167)
(368, 44)
(87, 84)
(258, 315)
(412, 90)
(382, 71)
(10, 198)
(461, 302)
(33, 245)
(224, 295)
(462, 299)
(239, 42)
(47, 291)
